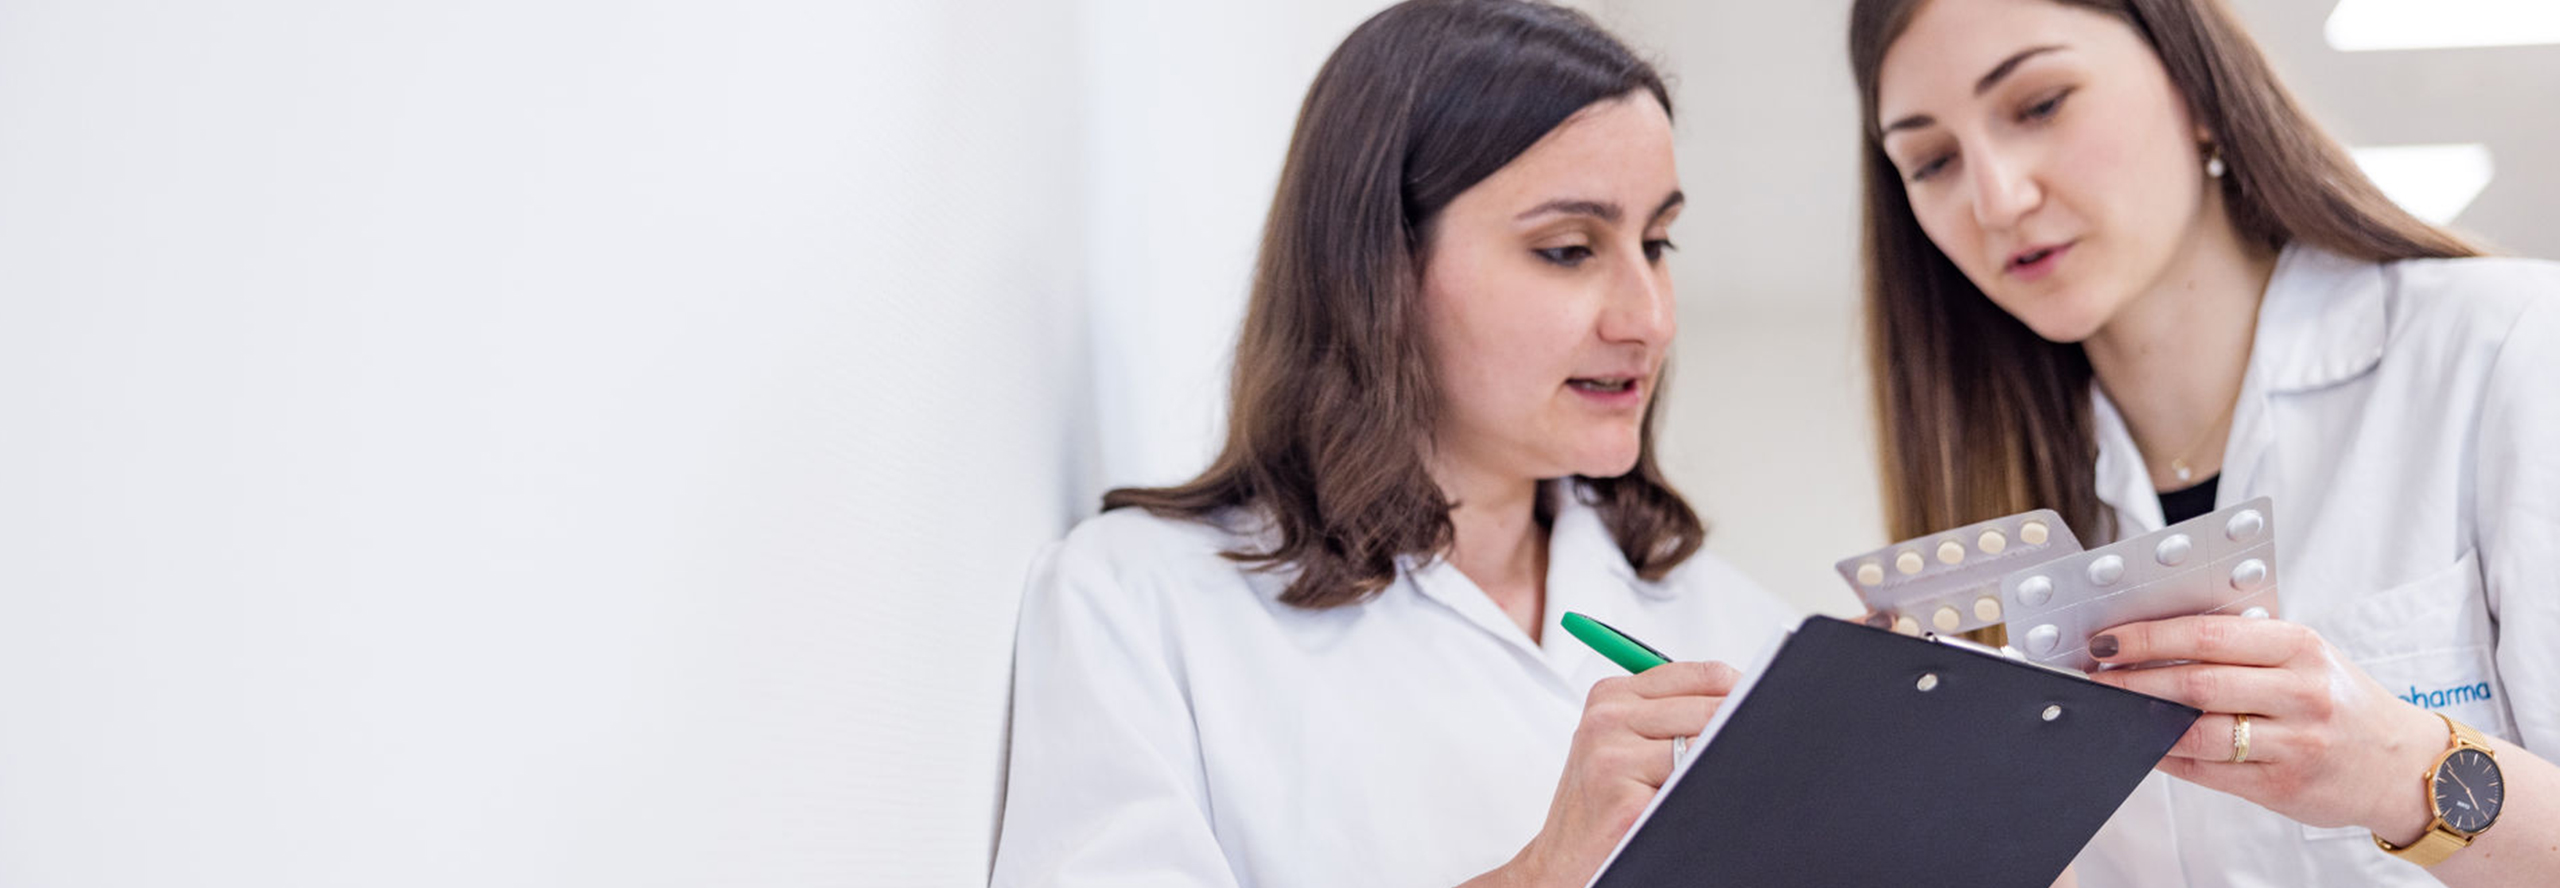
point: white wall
(1768, 429)
(1190, 107)
(564, 443)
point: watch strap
(2430, 849)
(2465, 735)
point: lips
(1604, 385)
(2036, 262)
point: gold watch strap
(2464, 735)
(2439, 841)
(2430, 849)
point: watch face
(2469, 790)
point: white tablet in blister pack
(2221, 562)
(1949, 582)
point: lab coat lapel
(1585, 573)
(2324, 321)
(2124, 481)
(1441, 581)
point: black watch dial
(2469, 790)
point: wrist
(1531, 868)
(2402, 810)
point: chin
(2066, 333)
(2060, 318)
(1609, 463)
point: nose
(1640, 308)
(2004, 189)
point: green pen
(1619, 647)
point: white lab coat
(1175, 725)
(2406, 419)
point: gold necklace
(2178, 463)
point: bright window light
(2432, 182)
(2361, 25)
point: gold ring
(2239, 739)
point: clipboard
(1856, 756)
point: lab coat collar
(1585, 572)
(2323, 321)
(2124, 480)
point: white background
(600, 443)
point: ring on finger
(2239, 739)
(1679, 749)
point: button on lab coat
(2406, 419)
(1175, 725)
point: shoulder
(2510, 277)
(2468, 303)
(1135, 537)
(1134, 548)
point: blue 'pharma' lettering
(2452, 696)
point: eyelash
(2044, 110)
(1572, 256)
(2036, 113)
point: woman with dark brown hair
(1333, 659)
(2114, 270)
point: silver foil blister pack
(1949, 582)
(2222, 562)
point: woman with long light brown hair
(2113, 269)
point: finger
(1628, 757)
(2212, 638)
(2216, 688)
(1670, 717)
(2215, 738)
(1685, 679)
(2248, 780)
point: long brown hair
(1977, 415)
(1333, 401)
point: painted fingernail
(2102, 646)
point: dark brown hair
(1333, 401)
(1978, 416)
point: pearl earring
(2213, 165)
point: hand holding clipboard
(1856, 756)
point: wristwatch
(2465, 790)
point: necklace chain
(2178, 463)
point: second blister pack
(2221, 562)
(1949, 582)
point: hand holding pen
(1617, 762)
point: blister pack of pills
(1949, 582)
(2221, 562)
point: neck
(2173, 359)
(1500, 545)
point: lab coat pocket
(2428, 642)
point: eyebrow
(1998, 73)
(1603, 210)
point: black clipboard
(1835, 767)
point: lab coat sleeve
(1105, 785)
(2519, 520)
